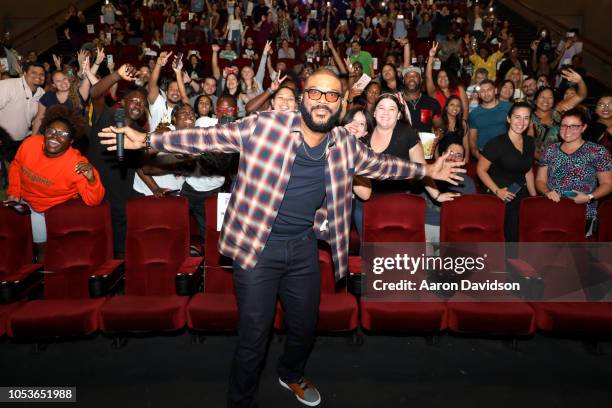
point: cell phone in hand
(19, 207)
(109, 59)
(179, 56)
(514, 188)
(568, 193)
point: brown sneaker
(304, 391)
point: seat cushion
(143, 313)
(337, 312)
(213, 312)
(496, 318)
(403, 316)
(591, 319)
(55, 318)
(5, 312)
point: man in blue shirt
(488, 120)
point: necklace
(324, 151)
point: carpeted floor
(170, 371)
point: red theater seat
(18, 275)
(474, 219)
(399, 218)
(215, 309)
(157, 251)
(559, 222)
(79, 252)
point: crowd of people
(407, 69)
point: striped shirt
(267, 143)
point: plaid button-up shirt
(267, 143)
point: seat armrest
(532, 285)
(190, 276)
(19, 284)
(106, 278)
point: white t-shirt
(169, 181)
(205, 183)
(159, 111)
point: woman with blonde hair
(515, 75)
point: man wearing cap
(421, 107)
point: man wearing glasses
(294, 185)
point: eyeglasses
(51, 132)
(225, 109)
(315, 95)
(570, 127)
(603, 105)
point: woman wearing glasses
(575, 168)
(48, 170)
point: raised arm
(429, 81)
(215, 61)
(152, 87)
(177, 67)
(407, 53)
(581, 94)
(337, 58)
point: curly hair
(72, 120)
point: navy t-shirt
(304, 195)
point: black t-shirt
(403, 139)
(595, 132)
(304, 195)
(117, 178)
(454, 137)
(508, 165)
(422, 111)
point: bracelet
(147, 141)
(270, 91)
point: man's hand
(128, 72)
(133, 139)
(445, 170)
(86, 170)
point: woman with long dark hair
(505, 166)
(454, 129)
(445, 83)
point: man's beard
(318, 127)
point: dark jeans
(289, 269)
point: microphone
(120, 122)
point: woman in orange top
(47, 170)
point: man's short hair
(487, 81)
(29, 65)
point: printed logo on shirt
(35, 177)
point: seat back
(15, 241)
(218, 272)
(157, 244)
(326, 266)
(542, 220)
(79, 240)
(394, 218)
(472, 218)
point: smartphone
(543, 34)
(109, 59)
(20, 208)
(514, 188)
(568, 193)
(400, 16)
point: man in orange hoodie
(47, 171)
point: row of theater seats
(163, 284)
